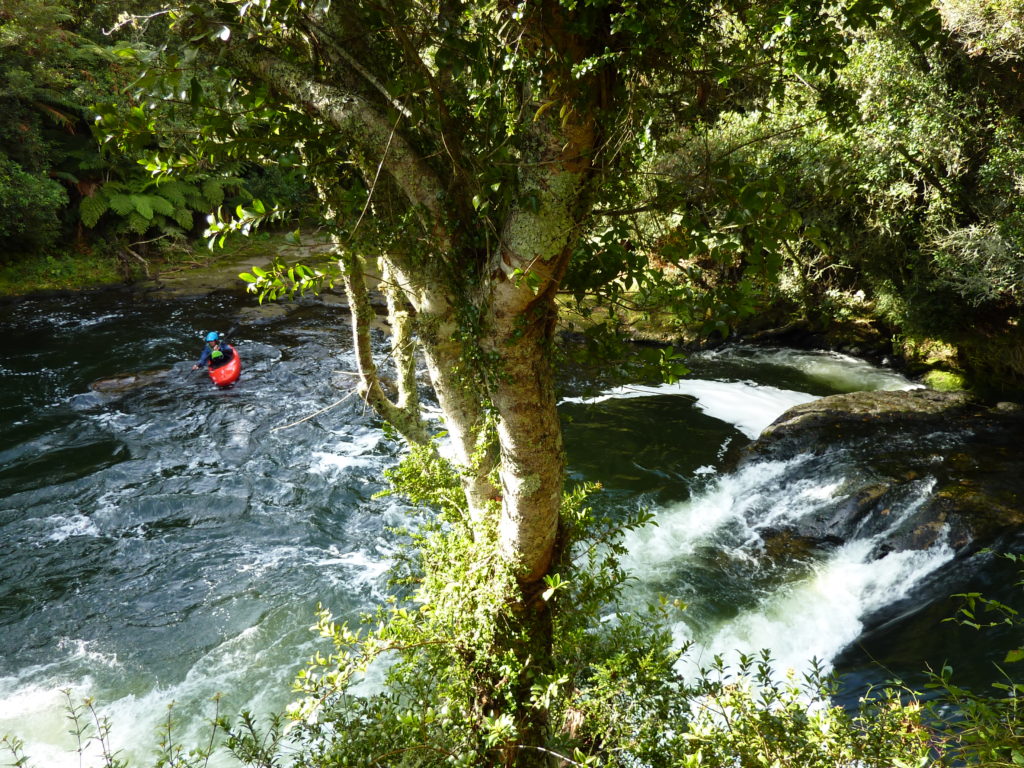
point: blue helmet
(212, 336)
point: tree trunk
(456, 385)
(405, 415)
(537, 242)
(530, 436)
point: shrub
(29, 209)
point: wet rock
(952, 467)
(916, 408)
(116, 385)
(786, 545)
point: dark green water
(172, 542)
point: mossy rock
(944, 381)
(917, 406)
(125, 382)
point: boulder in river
(952, 466)
(124, 382)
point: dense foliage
(65, 187)
(908, 216)
(46, 70)
(706, 162)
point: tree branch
(347, 111)
(404, 416)
(401, 342)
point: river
(171, 543)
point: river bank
(200, 271)
(188, 270)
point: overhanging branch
(347, 111)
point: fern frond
(174, 191)
(122, 204)
(137, 223)
(92, 208)
(62, 119)
(142, 206)
(213, 192)
(194, 197)
(184, 218)
(161, 205)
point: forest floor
(181, 271)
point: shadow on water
(661, 444)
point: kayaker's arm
(203, 358)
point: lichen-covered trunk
(465, 422)
(537, 243)
(530, 436)
(452, 378)
(405, 415)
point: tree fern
(213, 191)
(161, 205)
(143, 206)
(92, 208)
(136, 224)
(122, 204)
(184, 218)
(176, 192)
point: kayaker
(216, 352)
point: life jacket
(221, 356)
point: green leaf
(143, 206)
(183, 216)
(91, 209)
(213, 192)
(161, 205)
(137, 223)
(544, 108)
(121, 204)
(195, 92)
(1014, 655)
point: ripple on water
(186, 554)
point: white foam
(327, 463)
(366, 442)
(251, 664)
(60, 528)
(832, 369)
(747, 406)
(36, 715)
(86, 650)
(361, 567)
(817, 617)
(684, 526)
(354, 452)
(264, 560)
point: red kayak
(227, 374)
